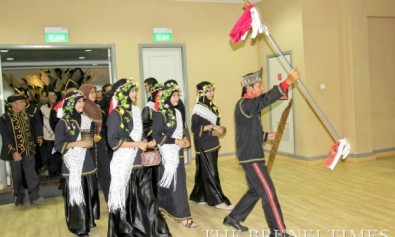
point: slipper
(188, 223)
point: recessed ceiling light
(10, 59)
(4, 50)
(88, 50)
(81, 57)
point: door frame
(141, 47)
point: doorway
(165, 62)
(19, 60)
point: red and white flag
(339, 149)
(249, 19)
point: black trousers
(260, 187)
(26, 166)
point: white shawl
(74, 160)
(170, 156)
(121, 166)
(205, 113)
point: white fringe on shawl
(170, 156)
(121, 166)
(74, 160)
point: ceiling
(30, 56)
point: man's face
(44, 98)
(146, 87)
(107, 89)
(257, 89)
(52, 97)
(18, 105)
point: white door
(164, 63)
(276, 74)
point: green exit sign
(56, 35)
(163, 37)
(162, 34)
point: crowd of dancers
(140, 198)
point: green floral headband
(122, 95)
(155, 87)
(68, 108)
(201, 93)
(161, 104)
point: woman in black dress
(168, 134)
(80, 195)
(132, 205)
(206, 129)
(99, 151)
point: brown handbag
(150, 158)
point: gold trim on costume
(201, 131)
(118, 145)
(211, 149)
(242, 111)
(175, 218)
(84, 173)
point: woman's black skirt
(142, 216)
(80, 219)
(207, 186)
(174, 202)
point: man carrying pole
(250, 20)
(249, 140)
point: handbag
(150, 158)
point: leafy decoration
(124, 104)
(166, 108)
(68, 110)
(201, 93)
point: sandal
(188, 223)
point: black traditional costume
(207, 188)
(81, 195)
(99, 151)
(167, 127)
(249, 139)
(132, 205)
(17, 136)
